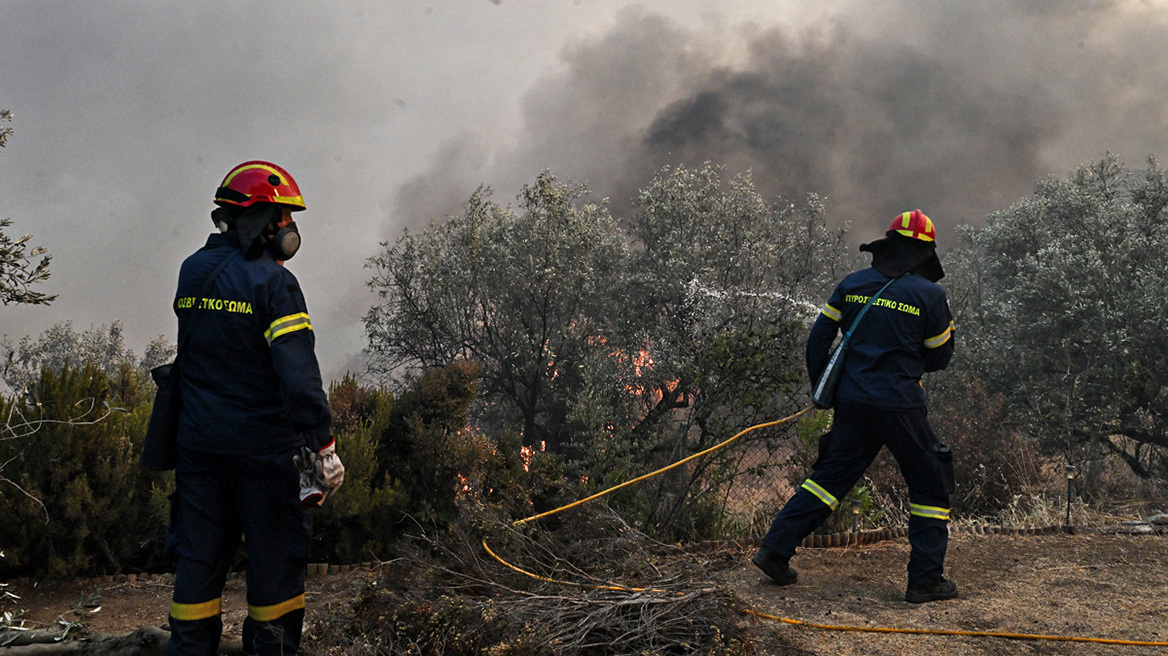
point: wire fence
(756, 483)
(728, 491)
(746, 484)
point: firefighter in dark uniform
(254, 444)
(880, 402)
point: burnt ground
(1100, 586)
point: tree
(62, 346)
(722, 287)
(518, 291)
(614, 345)
(17, 269)
(1066, 315)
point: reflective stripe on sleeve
(200, 611)
(824, 496)
(832, 313)
(285, 325)
(932, 512)
(934, 342)
(275, 611)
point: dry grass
(447, 596)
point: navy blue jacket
(250, 382)
(907, 332)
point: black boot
(775, 566)
(919, 594)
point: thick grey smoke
(390, 114)
(955, 107)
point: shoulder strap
(203, 291)
(864, 309)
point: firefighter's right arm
(823, 333)
(939, 338)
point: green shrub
(412, 464)
(356, 524)
(422, 452)
(75, 500)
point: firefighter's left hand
(321, 474)
(311, 493)
(329, 470)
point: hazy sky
(389, 113)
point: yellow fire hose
(786, 620)
(660, 471)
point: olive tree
(62, 346)
(568, 310)
(519, 290)
(614, 343)
(1066, 314)
(17, 267)
(722, 287)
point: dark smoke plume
(957, 107)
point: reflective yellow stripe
(832, 313)
(262, 167)
(199, 611)
(289, 200)
(824, 496)
(934, 342)
(275, 612)
(932, 512)
(285, 325)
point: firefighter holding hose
(906, 332)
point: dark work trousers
(857, 434)
(217, 499)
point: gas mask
(284, 242)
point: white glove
(329, 469)
(311, 493)
(321, 474)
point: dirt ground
(1092, 586)
(124, 605)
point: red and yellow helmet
(914, 225)
(259, 182)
